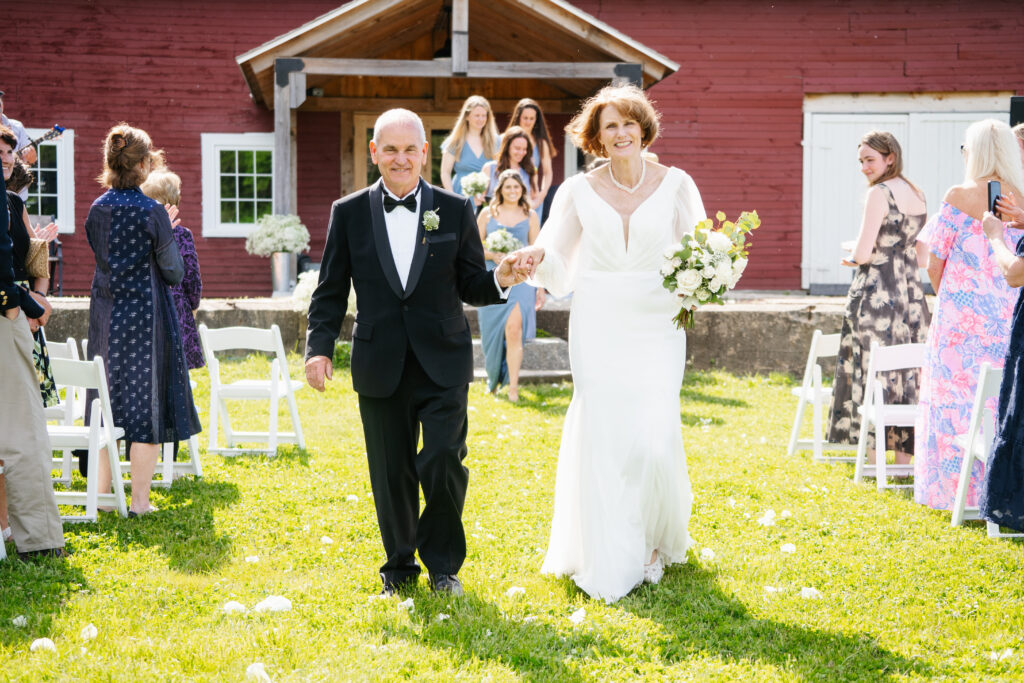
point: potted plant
(282, 238)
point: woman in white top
(622, 495)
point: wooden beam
(601, 70)
(297, 86)
(460, 37)
(407, 68)
(424, 105)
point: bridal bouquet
(502, 241)
(708, 263)
(474, 184)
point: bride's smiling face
(620, 136)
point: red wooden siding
(732, 115)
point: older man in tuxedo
(414, 255)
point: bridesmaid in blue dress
(472, 143)
(515, 154)
(528, 116)
(133, 324)
(504, 327)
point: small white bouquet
(302, 295)
(708, 263)
(502, 242)
(277, 232)
(474, 184)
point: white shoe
(654, 571)
(7, 534)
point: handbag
(37, 262)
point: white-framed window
(238, 182)
(52, 193)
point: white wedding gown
(622, 490)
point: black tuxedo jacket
(447, 269)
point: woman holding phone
(974, 303)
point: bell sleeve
(560, 239)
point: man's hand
(47, 308)
(318, 368)
(508, 272)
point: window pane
(246, 187)
(31, 204)
(245, 163)
(49, 206)
(246, 212)
(228, 187)
(264, 209)
(264, 162)
(264, 187)
(227, 212)
(48, 156)
(48, 182)
(227, 161)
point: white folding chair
(277, 386)
(70, 408)
(877, 415)
(810, 392)
(976, 444)
(98, 434)
(169, 469)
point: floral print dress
(885, 304)
(971, 327)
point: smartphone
(994, 190)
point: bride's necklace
(626, 188)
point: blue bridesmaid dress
(468, 162)
(493, 318)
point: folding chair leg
(293, 406)
(818, 455)
(213, 421)
(275, 404)
(797, 423)
(862, 447)
(229, 434)
(193, 449)
(960, 502)
(167, 471)
(92, 481)
(3, 544)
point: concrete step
(547, 354)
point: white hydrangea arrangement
(501, 241)
(707, 263)
(306, 285)
(474, 183)
(277, 232)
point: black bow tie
(408, 202)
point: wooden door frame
(363, 120)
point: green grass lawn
(902, 594)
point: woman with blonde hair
(504, 327)
(472, 143)
(132, 321)
(885, 302)
(972, 311)
(622, 493)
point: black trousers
(397, 471)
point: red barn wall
(732, 114)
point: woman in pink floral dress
(971, 320)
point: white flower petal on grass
(808, 593)
(252, 559)
(771, 589)
(233, 607)
(326, 540)
(514, 591)
(42, 645)
(578, 616)
(732, 503)
(767, 519)
(788, 548)
(785, 514)
(257, 672)
(997, 656)
(707, 554)
(273, 603)
(489, 634)
(89, 632)
(442, 616)
(407, 604)
(352, 498)
(20, 621)
(531, 618)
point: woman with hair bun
(972, 311)
(133, 324)
(885, 302)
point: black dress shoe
(56, 553)
(446, 583)
(396, 587)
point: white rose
(667, 270)
(738, 266)
(703, 295)
(715, 285)
(676, 262)
(708, 272)
(724, 271)
(670, 251)
(688, 281)
(719, 242)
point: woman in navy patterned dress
(133, 324)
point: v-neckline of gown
(624, 223)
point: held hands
(318, 368)
(513, 270)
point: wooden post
(284, 134)
(351, 144)
(460, 37)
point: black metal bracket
(634, 73)
(284, 66)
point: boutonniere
(430, 220)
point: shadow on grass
(478, 630)
(699, 397)
(183, 528)
(700, 619)
(37, 590)
(286, 453)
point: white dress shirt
(402, 228)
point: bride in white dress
(622, 494)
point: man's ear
(373, 151)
